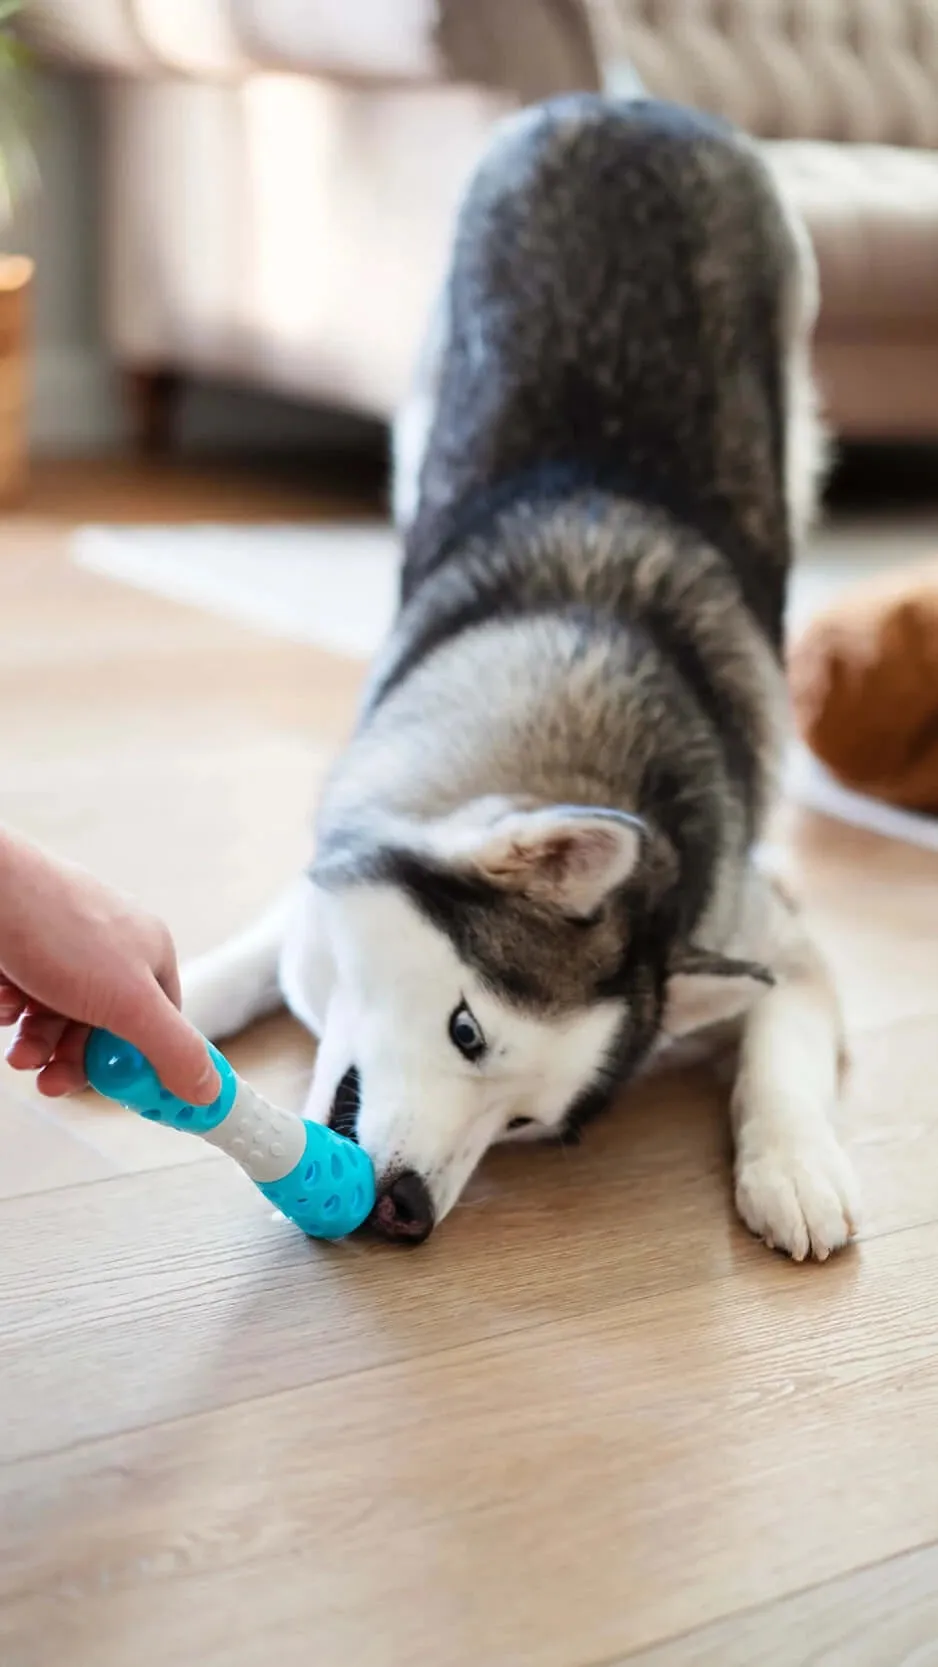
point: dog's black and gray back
(619, 309)
(597, 491)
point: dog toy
(322, 1182)
(863, 686)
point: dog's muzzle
(404, 1209)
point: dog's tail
(230, 987)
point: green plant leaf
(14, 55)
(17, 162)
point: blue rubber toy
(322, 1182)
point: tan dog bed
(864, 684)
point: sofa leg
(152, 400)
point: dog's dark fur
(617, 321)
(605, 466)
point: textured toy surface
(315, 1177)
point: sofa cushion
(530, 47)
(873, 215)
(365, 40)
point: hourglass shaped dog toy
(322, 1182)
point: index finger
(178, 1054)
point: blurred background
(243, 205)
(222, 223)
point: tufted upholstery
(864, 71)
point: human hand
(75, 954)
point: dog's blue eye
(466, 1034)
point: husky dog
(535, 860)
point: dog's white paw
(801, 1198)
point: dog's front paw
(800, 1198)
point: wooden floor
(590, 1422)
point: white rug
(331, 584)
(335, 586)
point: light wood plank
(641, 1208)
(590, 1419)
(37, 1154)
(552, 1496)
(877, 1617)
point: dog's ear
(705, 988)
(569, 857)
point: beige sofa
(280, 174)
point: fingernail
(209, 1084)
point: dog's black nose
(404, 1210)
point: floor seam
(766, 1606)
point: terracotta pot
(16, 276)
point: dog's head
(496, 974)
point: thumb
(178, 1054)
